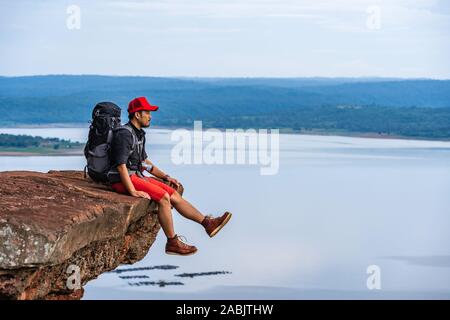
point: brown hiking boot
(213, 225)
(176, 246)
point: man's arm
(160, 174)
(126, 181)
(156, 171)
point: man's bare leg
(165, 216)
(174, 244)
(186, 209)
(212, 225)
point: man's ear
(138, 114)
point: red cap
(141, 103)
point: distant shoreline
(4, 152)
(79, 151)
(47, 125)
(29, 145)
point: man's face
(144, 118)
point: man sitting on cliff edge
(126, 177)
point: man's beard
(145, 126)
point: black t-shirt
(121, 147)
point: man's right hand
(125, 178)
(140, 194)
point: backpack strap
(110, 137)
(136, 142)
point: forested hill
(419, 108)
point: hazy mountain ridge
(417, 107)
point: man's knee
(175, 197)
(165, 199)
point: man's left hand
(174, 181)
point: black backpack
(105, 119)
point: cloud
(228, 38)
(426, 261)
(339, 16)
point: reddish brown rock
(52, 221)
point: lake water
(337, 206)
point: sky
(227, 38)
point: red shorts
(155, 189)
